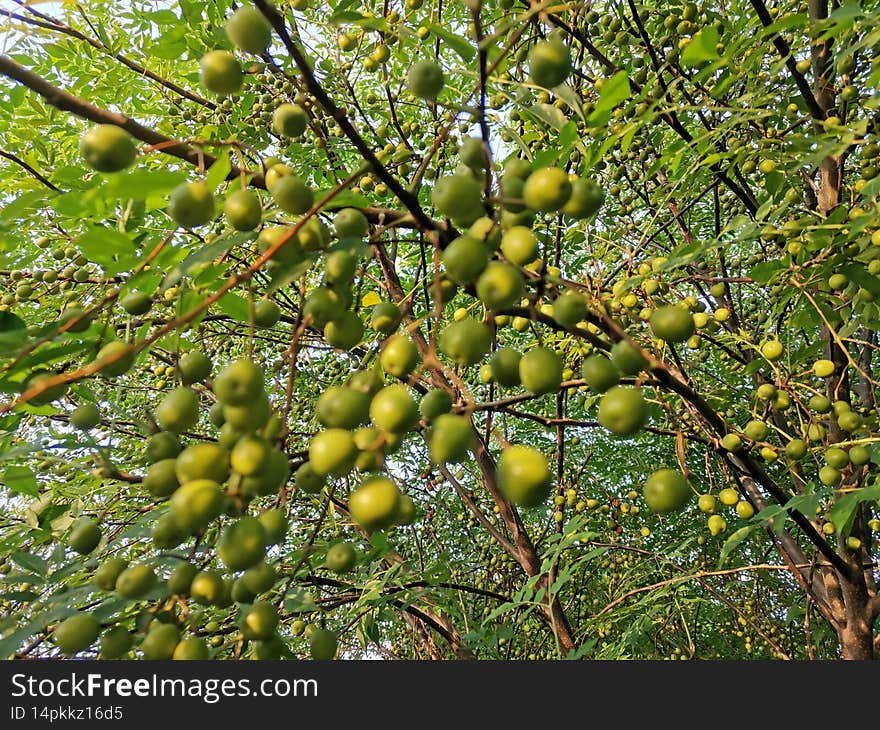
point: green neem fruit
(249, 417)
(829, 476)
(836, 457)
(136, 302)
(623, 411)
(340, 267)
(466, 342)
(162, 445)
(293, 195)
(323, 643)
(85, 417)
(308, 480)
(249, 30)
(239, 383)
(196, 503)
(345, 331)
(220, 73)
(450, 439)
(107, 572)
(250, 455)
(374, 504)
(323, 305)
(274, 523)
(500, 285)
(585, 201)
(123, 358)
(796, 449)
(49, 394)
(549, 62)
(242, 544)
(820, 404)
(202, 461)
(628, 358)
(259, 578)
(84, 535)
(569, 309)
(425, 79)
(393, 409)
(289, 252)
(524, 476)
(268, 650)
(547, 189)
(271, 478)
(161, 479)
(540, 371)
(166, 533)
(259, 621)
(289, 120)
(666, 490)
(216, 414)
(731, 442)
(160, 642)
(191, 204)
(599, 373)
(385, 317)
(314, 235)
(486, 230)
(472, 153)
(192, 648)
(82, 320)
(350, 223)
(859, 455)
(116, 642)
(331, 452)
(519, 245)
(208, 588)
(76, 633)
(135, 582)
(465, 259)
(672, 323)
(399, 356)
(243, 210)
(756, 430)
(181, 578)
(849, 421)
(194, 367)
(459, 197)
(367, 381)
(406, 511)
(341, 557)
(342, 407)
(178, 411)
(107, 148)
(435, 403)
(512, 192)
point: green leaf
(235, 306)
(33, 563)
(614, 91)
(219, 170)
(113, 250)
(458, 44)
(702, 48)
(141, 183)
(734, 541)
(843, 511)
(21, 480)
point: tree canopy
(422, 329)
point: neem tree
(439, 329)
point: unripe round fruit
(250, 455)
(466, 342)
(547, 189)
(293, 195)
(345, 331)
(795, 449)
(340, 267)
(194, 367)
(220, 73)
(569, 308)
(374, 505)
(459, 197)
(266, 313)
(385, 317)
(162, 445)
(124, 358)
(204, 460)
(323, 644)
(829, 476)
(549, 62)
(308, 480)
(181, 578)
(823, 368)
(259, 621)
(85, 417)
(731, 442)
(160, 642)
(242, 544)
(524, 476)
(623, 411)
(706, 503)
(772, 350)
(115, 643)
(399, 356)
(332, 451)
(161, 479)
(425, 79)
(76, 633)
(728, 496)
(196, 503)
(500, 285)
(108, 572)
(191, 204)
(107, 148)
(243, 211)
(350, 223)
(178, 411)
(756, 430)
(744, 509)
(599, 373)
(341, 557)
(208, 588)
(585, 201)
(84, 535)
(450, 439)
(193, 648)
(859, 455)
(342, 407)
(259, 578)
(136, 302)
(540, 371)
(249, 30)
(289, 120)
(435, 403)
(717, 524)
(393, 409)
(239, 383)
(666, 490)
(628, 359)
(135, 582)
(465, 259)
(504, 365)
(519, 245)
(672, 323)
